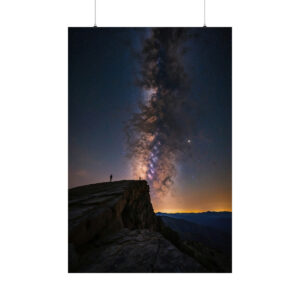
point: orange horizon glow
(171, 211)
(195, 201)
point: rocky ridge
(113, 228)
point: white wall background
(33, 145)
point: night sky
(104, 94)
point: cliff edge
(113, 228)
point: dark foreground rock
(113, 228)
(138, 250)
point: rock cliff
(113, 228)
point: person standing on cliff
(110, 178)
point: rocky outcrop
(100, 209)
(113, 228)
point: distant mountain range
(212, 229)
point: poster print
(150, 150)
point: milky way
(158, 134)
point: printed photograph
(150, 150)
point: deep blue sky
(103, 95)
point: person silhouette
(110, 178)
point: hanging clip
(204, 13)
(95, 24)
